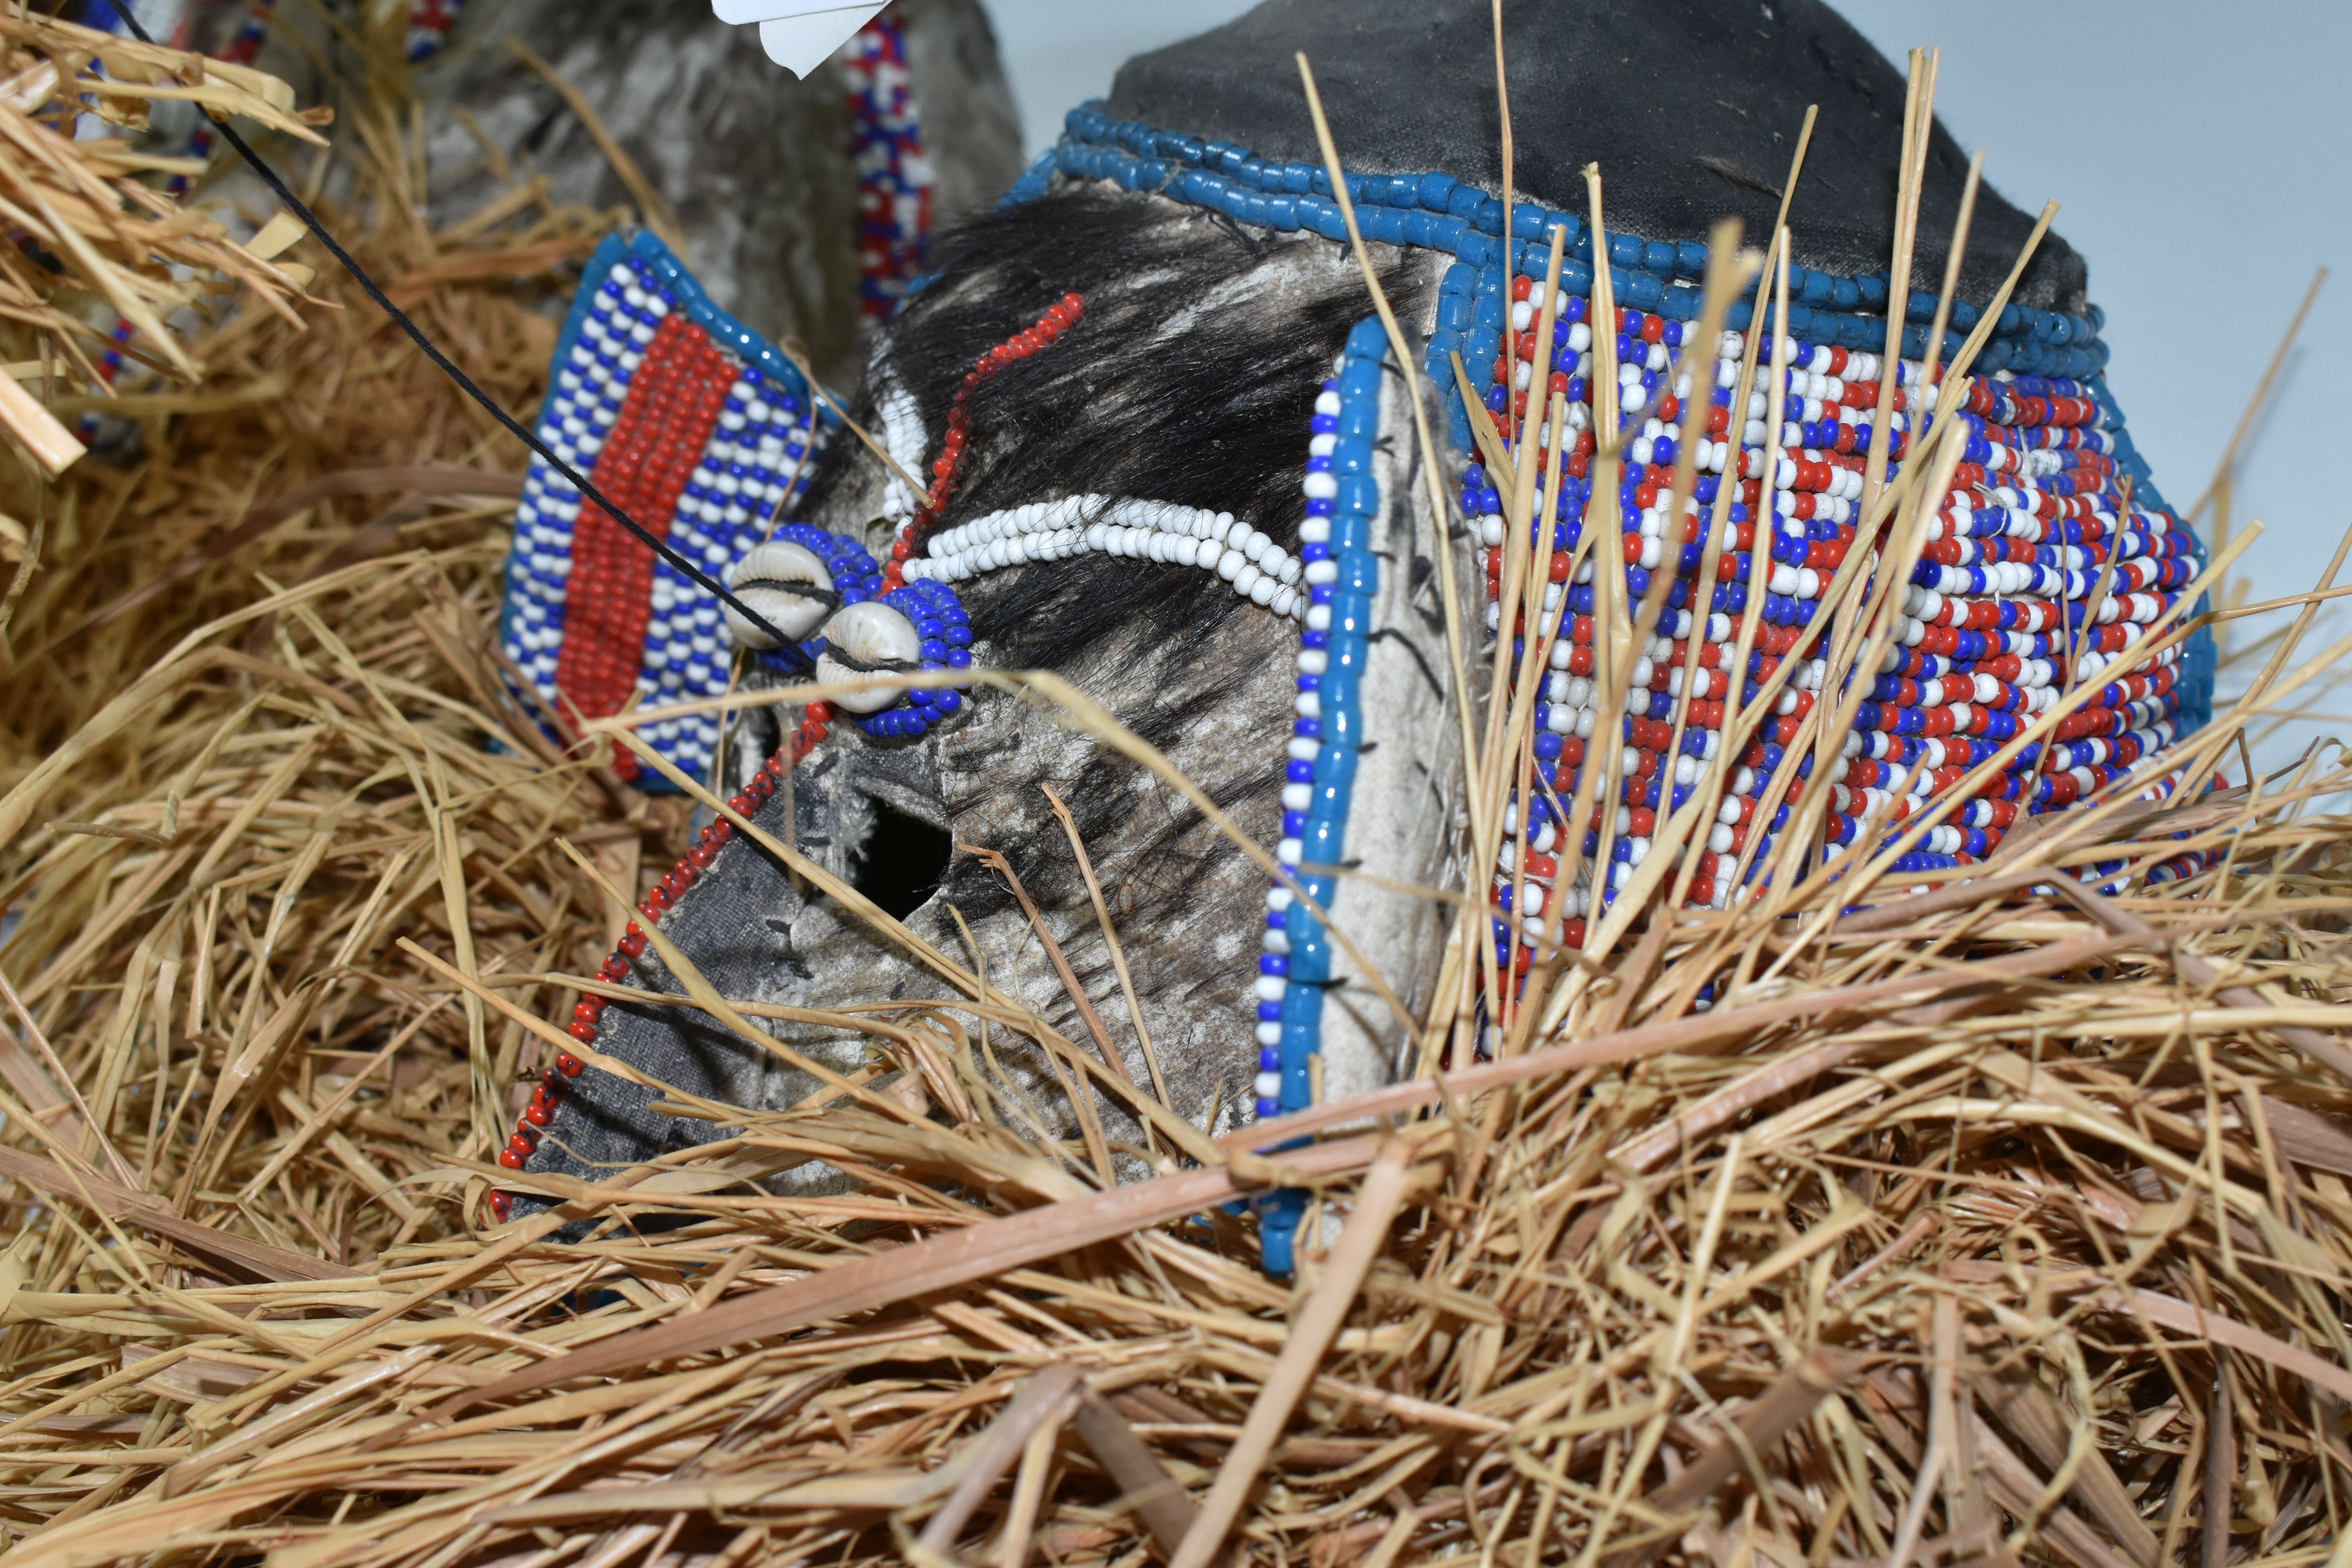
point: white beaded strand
(1258, 569)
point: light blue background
(2199, 155)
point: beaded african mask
(1212, 429)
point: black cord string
(785, 646)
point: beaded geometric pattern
(702, 433)
(894, 174)
(2050, 553)
(939, 631)
(1992, 619)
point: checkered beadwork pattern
(895, 177)
(702, 433)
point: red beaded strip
(950, 464)
(588, 1015)
(673, 405)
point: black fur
(1215, 416)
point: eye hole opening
(902, 862)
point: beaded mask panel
(705, 433)
(2044, 568)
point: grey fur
(758, 937)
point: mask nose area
(862, 639)
(787, 584)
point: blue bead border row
(645, 252)
(1343, 578)
(645, 249)
(1436, 211)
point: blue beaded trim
(724, 509)
(2048, 353)
(1343, 577)
(1437, 211)
(646, 249)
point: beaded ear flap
(705, 433)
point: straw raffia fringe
(2051, 1189)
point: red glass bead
(570, 1065)
(512, 1161)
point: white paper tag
(799, 34)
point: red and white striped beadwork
(664, 403)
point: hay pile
(2040, 1199)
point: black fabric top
(1692, 108)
